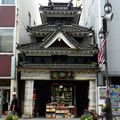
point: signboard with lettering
(102, 93)
(63, 75)
(115, 99)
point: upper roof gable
(59, 43)
(58, 36)
(59, 39)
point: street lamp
(102, 35)
(108, 7)
(108, 11)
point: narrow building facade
(58, 68)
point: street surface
(44, 119)
(117, 118)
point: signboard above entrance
(57, 75)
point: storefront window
(6, 40)
(8, 1)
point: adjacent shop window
(6, 40)
(8, 1)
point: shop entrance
(4, 99)
(82, 100)
(44, 94)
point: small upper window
(8, 1)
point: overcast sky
(45, 2)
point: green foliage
(87, 117)
(11, 117)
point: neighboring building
(92, 13)
(12, 30)
(7, 50)
(59, 65)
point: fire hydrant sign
(115, 99)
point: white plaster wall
(92, 97)
(85, 76)
(46, 76)
(35, 75)
(28, 104)
(23, 8)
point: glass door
(6, 100)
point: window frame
(13, 42)
(7, 4)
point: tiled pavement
(117, 118)
(42, 119)
(3, 118)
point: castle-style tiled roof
(35, 49)
(53, 27)
(56, 9)
(59, 67)
(69, 31)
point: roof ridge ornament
(70, 4)
(51, 4)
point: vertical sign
(13, 68)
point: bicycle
(105, 115)
(89, 115)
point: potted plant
(87, 117)
(11, 117)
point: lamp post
(102, 35)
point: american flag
(102, 54)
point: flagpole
(102, 59)
(107, 101)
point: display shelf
(50, 111)
(60, 111)
(62, 93)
